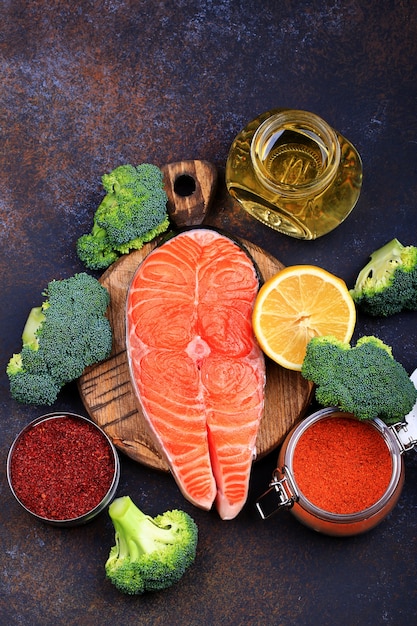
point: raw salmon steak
(196, 368)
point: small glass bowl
(51, 458)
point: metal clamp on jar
(338, 475)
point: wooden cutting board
(105, 388)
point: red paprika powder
(61, 467)
(342, 465)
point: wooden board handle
(190, 187)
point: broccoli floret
(388, 283)
(94, 249)
(60, 339)
(150, 553)
(133, 211)
(32, 385)
(364, 380)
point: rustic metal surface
(86, 86)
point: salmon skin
(196, 368)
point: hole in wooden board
(184, 185)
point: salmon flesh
(196, 368)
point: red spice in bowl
(63, 469)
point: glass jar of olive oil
(291, 171)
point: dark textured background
(86, 86)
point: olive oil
(294, 173)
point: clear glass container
(285, 492)
(291, 171)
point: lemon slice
(296, 304)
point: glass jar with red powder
(338, 475)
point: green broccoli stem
(34, 321)
(136, 533)
(380, 264)
(15, 365)
(119, 507)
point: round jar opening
(295, 153)
(63, 469)
(344, 469)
